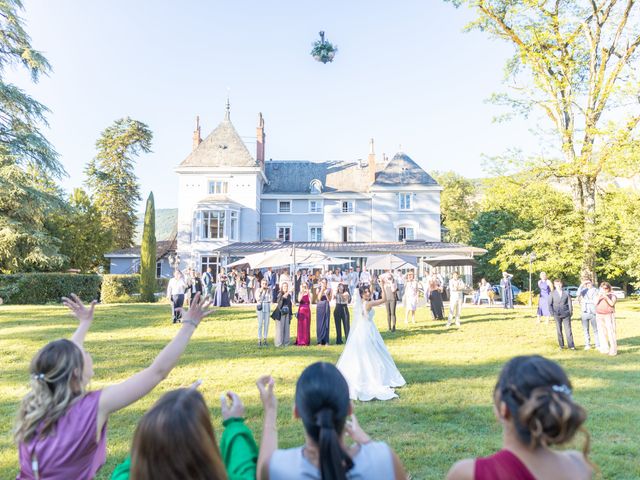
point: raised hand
(78, 309)
(265, 385)
(233, 410)
(197, 311)
(355, 431)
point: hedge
(39, 288)
(120, 288)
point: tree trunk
(584, 198)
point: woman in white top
(322, 403)
(410, 298)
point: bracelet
(190, 322)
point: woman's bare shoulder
(578, 461)
(462, 470)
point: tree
(458, 206)
(28, 162)
(576, 64)
(110, 175)
(148, 253)
(79, 227)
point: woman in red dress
(304, 316)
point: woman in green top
(175, 439)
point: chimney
(372, 163)
(260, 140)
(197, 139)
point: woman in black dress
(435, 298)
(341, 312)
(323, 312)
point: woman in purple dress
(323, 312)
(545, 287)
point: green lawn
(443, 414)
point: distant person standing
(297, 281)
(175, 294)
(341, 312)
(272, 281)
(263, 309)
(507, 291)
(561, 308)
(399, 278)
(365, 277)
(410, 298)
(546, 287)
(606, 318)
(282, 316)
(456, 295)
(587, 295)
(221, 297)
(391, 295)
(323, 312)
(304, 316)
(353, 278)
(435, 297)
(207, 283)
(196, 285)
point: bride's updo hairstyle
(364, 288)
(537, 393)
(322, 401)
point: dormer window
(315, 187)
(217, 187)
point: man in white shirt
(365, 277)
(352, 279)
(456, 295)
(175, 294)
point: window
(233, 226)
(347, 206)
(348, 233)
(159, 269)
(284, 206)
(406, 233)
(217, 187)
(315, 206)
(404, 201)
(210, 262)
(315, 187)
(315, 233)
(212, 225)
(284, 232)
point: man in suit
(561, 308)
(272, 281)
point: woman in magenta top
(61, 428)
(534, 404)
(304, 316)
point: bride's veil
(358, 308)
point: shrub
(120, 288)
(39, 288)
(162, 284)
(523, 298)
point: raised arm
(83, 314)
(116, 397)
(269, 443)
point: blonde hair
(56, 382)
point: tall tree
(148, 253)
(575, 63)
(28, 162)
(458, 206)
(111, 177)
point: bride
(365, 361)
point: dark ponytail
(322, 400)
(537, 393)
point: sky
(405, 75)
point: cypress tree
(148, 253)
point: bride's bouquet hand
(355, 431)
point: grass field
(443, 414)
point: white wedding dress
(365, 362)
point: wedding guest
(251, 287)
(606, 318)
(365, 277)
(484, 292)
(232, 282)
(587, 295)
(534, 404)
(410, 298)
(322, 404)
(175, 294)
(263, 309)
(282, 316)
(399, 278)
(546, 287)
(391, 293)
(353, 279)
(207, 283)
(176, 437)
(304, 316)
(507, 291)
(297, 281)
(435, 297)
(323, 312)
(196, 285)
(561, 308)
(221, 297)
(272, 281)
(188, 280)
(285, 278)
(341, 312)
(456, 297)
(61, 427)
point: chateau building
(231, 203)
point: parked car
(618, 292)
(498, 291)
(572, 290)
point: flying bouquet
(323, 51)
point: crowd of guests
(61, 428)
